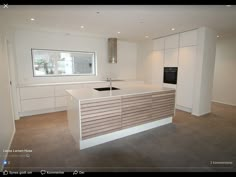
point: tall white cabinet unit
(193, 52)
(177, 50)
(158, 61)
(187, 61)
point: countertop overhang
(90, 93)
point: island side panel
(73, 115)
(136, 109)
(100, 116)
(163, 104)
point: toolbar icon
(75, 172)
(43, 172)
(5, 172)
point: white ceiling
(133, 21)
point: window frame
(64, 75)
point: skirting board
(122, 133)
(182, 108)
(9, 147)
(44, 111)
(223, 103)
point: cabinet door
(185, 81)
(61, 101)
(36, 92)
(188, 38)
(37, 104)
(159, 44)
(171, 58)
(157, 67)
(172, 42)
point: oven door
(170, 75)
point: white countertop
(68, 83)
(90, 93)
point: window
(58, 63)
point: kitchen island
(96, 117)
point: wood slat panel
(137, 112)
(136, 99)
(163, 107)
(136, 102)
(103, 106)
(171, 100)
(86, 105)
(136, 96)
(101, 114)
(99, 100)
(99, 110)
(99, 123)
(135, 109)
(101, 127)
(157, 114)
(105, 116)
(100, 133)
(163, 92)
(163, 97)
(133, 118)
(144, 104)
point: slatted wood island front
(99, 119)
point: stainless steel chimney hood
(112, 50)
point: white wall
(224, 85)
(27, 39)
(7, 127)
(144, 61)
(125, 68)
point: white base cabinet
(40, 99)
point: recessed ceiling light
(118, 32)
(228, 5)
(32, 19)
(82, 26)
(146, 36)
(172, 29)
(217, 36)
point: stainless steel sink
(106, 88)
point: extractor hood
(112, 50)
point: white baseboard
(122, 133)
(223, 103)
(182, 108)
(9, 147)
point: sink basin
(106, 88)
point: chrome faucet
(110, 84)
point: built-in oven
(170, 75)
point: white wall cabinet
(184, 96)
(188, 38)
(159, 44)
(172, 42)
(157, 67)
(171, 58)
